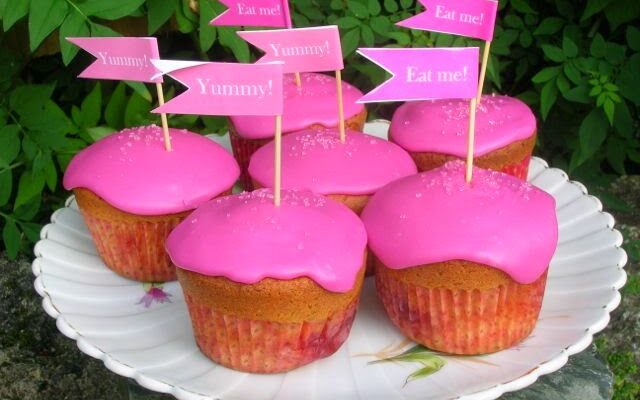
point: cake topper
(304, 50)
(125, 58)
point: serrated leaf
(593, 7)
(159, 12)
(140, 88)
(569, 47)
(14, 13)
(44, 17)
(29, 186)
(98, 132)
(549, 26)
(350, 41)
(111, 9)
(554, 53)
(11, 238)
(9, 143)
(114, 112)
(74, 25)
(208, 33)
(91, 107)
(348, 22)
(6, 186)
(548, 97)
(546, 74)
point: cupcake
(461, 268)
(270, 288)
(312, 105)
(435, 131)
(348, 172)
(132, 193)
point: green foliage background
(577, 63)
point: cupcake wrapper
(134, 250)
(263, 346)
(519, 170)
(462, 321)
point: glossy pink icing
(246, 238)
(436, 216)
(315, 102)
(441, 126)
(318, 161)
(132, 171)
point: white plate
(154, 345)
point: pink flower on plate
(154, 294)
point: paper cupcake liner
(462, 321)
(135, 249)
(519, 170)
(264, 346)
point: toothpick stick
(471, 138)
(163, 118)
(483, 68)
(298, 80)
(289, 21)
(278, 161)
(340, 105)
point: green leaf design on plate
(431, 362)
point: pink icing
(436, 216)
(319, 162)
(246, 238)
(132, 171)
(441, 126)
(315, 102)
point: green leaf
(572, 73)
(526, 39)
(50, 172)
(633, 37)
(374, 7)
(186, 20)
(6, 185)
(592, 133)
(380, 25)
(621, 12)
(14, 13)
(114, 112)
(546, 74)
(50, 121)
(609, 109)
(231, 40)
(593, 7)
(137, 110)
(350, 41)
(522, 6)
(91, 107)
(569, 47)
(616, 154)
(98, 30)
(367, 35)
(579, 94)
(44, 17)
(348, 22)
(513, 21)
(358, 9)
(563, 83)
(73, 26)
(554, 53)
(98, 132)
(208, 33)
(623, 123)
(429, 368)
(336, 5)
(29, 187)
(31, 230)
(406, 4)
(598, 46)
(159, 12)
(548, 97)
(614, 53)
(402, 38)
(629, 79)
(11, 238)
(140, 88)
(549, 26)
(111, 10)
(391, 6)
(28, 100)
(9, 144)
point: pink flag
(273, 13)
(224, 88)
(120, 58)
(472, 18)
(301, 50)
(422, 74)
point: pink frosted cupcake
(461, 268)
(270, 288)
(132, 192)
(313, 105)
(435, 131)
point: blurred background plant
(577, 63)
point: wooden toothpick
(340, 106)
(483, 68)
(163, 118)
(471, 138)
(278, 161)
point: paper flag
(301, 50)
(120, 58)
(421, 74)
(472, 18)
(273, 13)
(224, 88)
